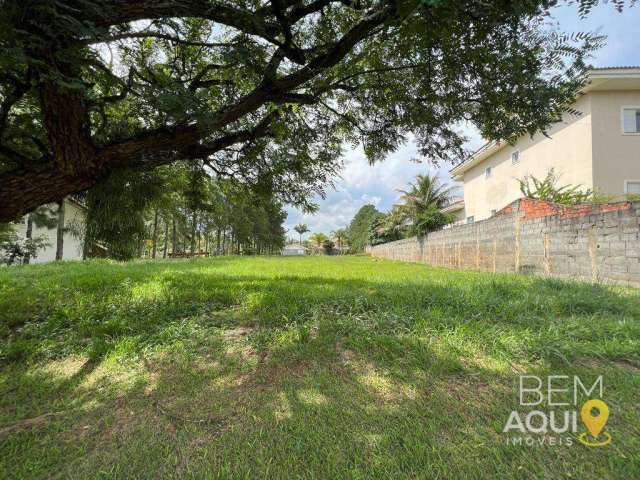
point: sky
(361, 183)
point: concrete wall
(616, 155)
(74, 219)
(589, 242)
(568, 150)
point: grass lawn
(331, 367)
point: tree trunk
(155, 235)
(28, 236)
(85, 240)
(166, 238)
(60, 231)
(193, 232)
(174, 242)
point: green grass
(332, 367)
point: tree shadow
(151, 307)
(194, 369)
(319, 407)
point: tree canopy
(181, 209)
(265, 91)
(358, 231)
(421, 206)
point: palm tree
(318, 239)
(425, 196)
(426, 192)
(394, 224)
(341, 237)
(301, 228)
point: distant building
(74, 219)
(293, 250)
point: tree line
(418, 212)
(321, 243)
(183, 209)
(176, 210)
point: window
(470, 219)
(515, 157)
(487, 172)
(631, 120)
(632, 186)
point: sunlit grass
(332, 367)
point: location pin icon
(594, 423)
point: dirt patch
(29, 422)
(627, 364)
(597, 363)
(236, 334)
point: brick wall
(598, 243)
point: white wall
(74, 220)
(287, 252)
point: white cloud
(336, 211)
(373, 200)
(362, 184)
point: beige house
(599, 149)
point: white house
(598, 149)
(74, 219)
(293, 250)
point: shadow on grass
(100, 310)
(322, 405)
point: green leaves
(547, 189)
(422, 204)
(359, 227)
(372, 73)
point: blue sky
(361, 183)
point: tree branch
(78, 164)
(19, 90)
(126, 11)
(163, 36)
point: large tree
(264, 90)
(360, 226)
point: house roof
(600, 79)
(454, 207)
(296, 246)
(477, 157)
(613, 78)
(77, 202)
